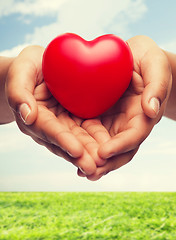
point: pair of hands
(95, 146)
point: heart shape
(87, 77)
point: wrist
(170, 110)
(6, 114)
(5, 63)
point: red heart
(87, 77)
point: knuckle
(90, 123)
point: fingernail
(24, 112)
(70, 154)
(155, 105)
(82, 170)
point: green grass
(124, 216)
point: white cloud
(5, 8)
(30, 7)
(88, 18)
(169, 46)
(13, 52)
(91, 19)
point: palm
(124, 121)
(127, 113)
(124, 114)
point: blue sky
(25, 166)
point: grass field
(126, 216)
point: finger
(49, 128)
(80, 173)
(87, 141)
(85, 164)
(21, 81)
(156, 74)
(129, 139)
(95, 129)
(113, 164)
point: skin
(96, 146)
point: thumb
(157, 84)
(20, 86)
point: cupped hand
(132, 118)
(40, 116)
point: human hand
(40, 116)
(132, 118)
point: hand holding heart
(104, 143)
(132, 118)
